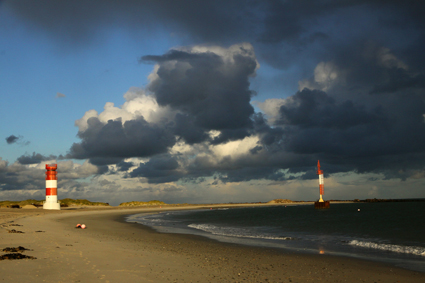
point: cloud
(270, 107)
(69, 23)
(12, 139)
(359, 105)
(205, 85)
(138, 105)
(29, 178)
(194, 91)
(348, 129)
(363, 129)
(284, 32)
(159, 169)
(326, 75)
(34, 158)
(316, 109)
(134, 138)
(195, 121)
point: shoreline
(113, 250)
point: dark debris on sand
(15, 231)
(16, 256)
(15, 253)
(15, 250)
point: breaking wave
(387, 247)
(235, 232)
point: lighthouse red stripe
(51, 191)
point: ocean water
(387, 232)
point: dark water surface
(387, 232)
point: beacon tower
(321, 203)
(321, 183)
(51, 188)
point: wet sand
(110, 250)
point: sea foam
(387, 247)
(235, 232)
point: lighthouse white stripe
(51, 183)
(320, 179)
(53, 198)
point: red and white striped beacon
(321, 203)
(321, 182)
(51, 188)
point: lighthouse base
(51, 205)
(321, 204)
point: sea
(390, 232)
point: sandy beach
(110, 250)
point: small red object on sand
(78, 226)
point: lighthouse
(51, 188)
(321, 182)
(321, 203)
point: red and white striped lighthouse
(51, 188)
(321, 182)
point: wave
(387, 247)
(235, 232)
(150, 220)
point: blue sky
(224, 101)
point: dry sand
(110, 250)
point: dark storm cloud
(348, 129)
(301, 32)
(34, 158)
(211, 21)
(113, 141)
(82, 21)
(399, 79)
(205, 91)
(365, 128)
(372, 121)
(346, 136)
(315, 109)
(350, 136)
(373, 68)
(211, 90)
(283, 32)
(159, 169)
(124, 166)
(230, 135)
(186, 129)
(290, 20)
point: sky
(212, 101)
